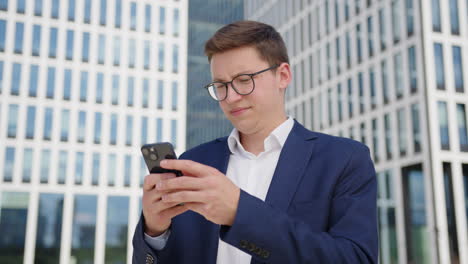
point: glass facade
(116, 229)
(83, 229)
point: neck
(254, 143)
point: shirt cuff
(158, 242)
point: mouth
(238, 111)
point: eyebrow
(234, 76)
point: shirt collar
(277, 137)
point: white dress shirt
(251, 173)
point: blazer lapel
(292, 162)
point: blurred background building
(83, 84)
(205, 120)
(391, 74)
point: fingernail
(163, 162)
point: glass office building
(83, 84)
(205, 120)
(391, 74)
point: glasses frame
(226, 84)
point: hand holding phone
(155, 153)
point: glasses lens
(244, 84)
(217, 91)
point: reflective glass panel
(116, 229)
(83, 229)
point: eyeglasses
(242, 84)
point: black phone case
(154, 153)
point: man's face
(261, 110)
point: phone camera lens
(153, 156)
(145, 152)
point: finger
(183, 197)
(152, 179)
(174, 211)
(188, 167)
(180, 183)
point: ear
(284, 75)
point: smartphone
(154, 153)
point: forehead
(227, 64)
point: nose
(232, 95)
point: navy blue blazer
(320, 208)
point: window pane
(147, 56)
(36, 41)
(462, 127)
(53, 42)
(30, 122)
(159, 130)
(450, 213)
(382, 30)
(129, 130)
(49, 228)
(27, 165)
(174, 96)
(147, 18)
(20, 6)
(84, 86)
(4, 5)
(87, 12)
(96, 168)
(55, 8)
(416, 127)
(12, 120)
(127, 170)
(45, 166)
(162, 19)
(133, 15)
(2, 35)
(130, 90)
(48, 119)
(113, 130)
(13, 218)
(402, 135)
(458, 69)
(1, 76)
(69, 51)
(131, 53)
(115, 89)
(454, 22)
(174, 132)
(350, 98)
(67, 82)
(50, 82)
(359, 43)
(396, 20)
(38, 7)
(144, 130)
(439, 65)
(79, 168)
(62, 167)
(97, 128)
(388, 136)
(84, 228)
(116, 51)
(19, 37)
(64, 125)
(410, 17)
(99, 87)
(398, 75)
(33, 80)
(160, 94)
(175, 58)
(145, 93)
(375, 142)
(417, 235)
(103, 12)
(176, 24)
(71, 10)
(111, 170)
(443, 125)
(16, 79)
(101, 49)
(412, 69)
(116, 229)
(436, 21)
(118, 13)
(81, 126)
(161, 57)
(85, 48)
(9, 168)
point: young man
(271, 192)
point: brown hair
(264, 38)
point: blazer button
(149, 259)
(265, 254)
(243, 244)
(252, 247)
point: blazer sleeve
(273, 236)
